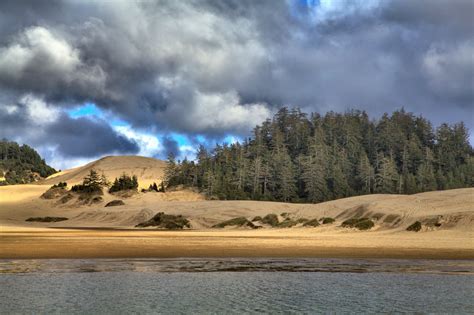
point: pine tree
(386, 178)
(366, 174)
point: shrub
(327, 220)
(361, 224)
(46, 219)
(313, 223)
(270, 219)
(92, 183)
(126, 182)
(66, 198)
(59, 185)
(415, 227)
(114, 203)
(53, 193)
(287, 223)
(302, 220)
(167, 221)
(257, 218)
(240, 221)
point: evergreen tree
(295, 158)
(386, 178)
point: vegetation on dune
(46, 219)
(124, 182)
(361, 223)
(154, 188)
(257, 218)
(59, 185)
(300, 158)
(167, 221)
(55, 191)
(287, 223)
(114, 203)
(270, 219)
(21, 164)
(415, 227)
(92, 183)
(313, 223)
(240, 221)
(66, 198)
(327, 220)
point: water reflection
(237, 265)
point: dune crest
(148, 170)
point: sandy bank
(17, 243)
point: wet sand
(32, 243)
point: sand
(454, 209)
(17, 243)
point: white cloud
(38, 111)
(149, 145)
(38, 44)
(217, 111)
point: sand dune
(148, 170)
(451, 210)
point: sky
(84, 79)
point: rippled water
(236, 286)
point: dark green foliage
(46, 219)
(126, 182)
(91, 184)
(302, 220)
(154, 188)
(53, 193)
(66, 198)
(327, 220)
(240, 221)
(114, 203)
(287, 223)
(257, 218)
(313, 223)
(60, 185)
(415, 227)
(21, 164)
(312, 158)
(361, 223)
(167, 221)
(270, 219)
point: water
(236, 286)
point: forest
(296, 157)
(21, 164)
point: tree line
(312, 158)
(21, 164)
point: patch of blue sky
(88, 109)
(230, 139)
(180, 139)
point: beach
(29, 243)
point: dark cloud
(170, 146)
(219, 67)
(32, 121)
(86, 137)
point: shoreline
(47, 243)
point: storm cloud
(216, 68)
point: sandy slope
(454, 209)
(148, 170)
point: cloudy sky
(83, 79)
